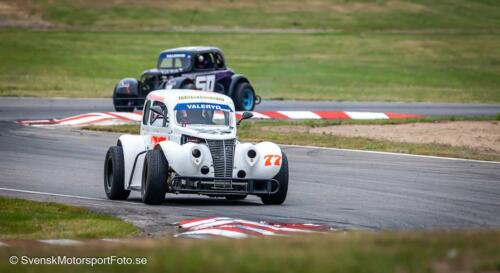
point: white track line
(61, 242)
(54, 194)
(86, 198)
(113, 240)
(389, 153)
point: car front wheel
(282, 177)
(154, 178)
(114, 174)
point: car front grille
(222, 155)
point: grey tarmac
(344, 189)
(47, 108)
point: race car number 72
(205, 82)
(272, 159)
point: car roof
(195, 49)
(173, 96)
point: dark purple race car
(201, 68)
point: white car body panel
(133, 145)
(265, 165)
(256, 168)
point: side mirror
(157, 110)
(246, 115)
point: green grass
(255, 134)
(448, 67)
(22, 219)
(255, 131)
(360, 15)
(385, 252)
(420, 50)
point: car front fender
(126, 88)
(180, 158)
(265, 165)
(176, 83)
(133, 148)
(235, 80)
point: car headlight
(196, 152)
(251, 153)
(196, 155)
(251, 156)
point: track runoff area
(220, 226)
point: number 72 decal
(272, 160)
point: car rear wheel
(282, 178)
(114, 174)
(244, 97)
(154, 178)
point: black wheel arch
(126, 88)
(180, 81)
(235, 80)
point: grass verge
(254, 131)
(439, 251)
(353, 15)
(449, 67)
(22, 219)
(385, 50)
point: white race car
(188, 144)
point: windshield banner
(175, 55)
(203, 106)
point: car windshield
(174, 61)
(193, 114)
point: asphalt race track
(345, 189)
(43, 108)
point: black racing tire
(114, 174)
(236, 197)
(279, 197)
(244, 97)
(154, 178)
(188, 85)
(123, 105)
